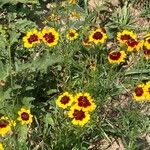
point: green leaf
(48, 119)
(18, 1)
(5, 95)
(52, 91)
(138, 71)
(23, 25)
(22, 134)
(3, 42)
(13, 36)
(29, 88)
(16, 86)
(26, 101)
(4, 73)
(39, 64)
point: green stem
(10, 66)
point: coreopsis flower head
(84, 101)
(65, 100)
(52, 17)
(86, 42)
(116, 57)
(72, 35)
(147, 90)
(25, 116)
(147, 41)
(72, 1)
(6, 125)
(79, 116)
(139, 93)
(31, 38)
(75, 15)
(50, 36)
(146, 52)
(92, 65)
(98, 36)
(1, 146)
(147, 35)
(125, 36)
(134, 45)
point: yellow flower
(25, 116)
(52, 17)
(139, 93)
(1, 146)
(75, 15)
(125, 35)
(86, 42)
(84, 101)
(5, 125)
(98, 36)
(31, 38)
(134, 45)
(72, 1)
(147, 35)
(147, 89)
(50, 36)
(72, 35)
(64, 100)
(93, 65)
(146, 52)
(79, 116)
(116, 57)
(147, 42)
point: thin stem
(10, 66)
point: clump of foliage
(71, 77)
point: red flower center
(25, 116)
(125, 37)
(3, 123)
(64, 100)
(148, 41)
(79, 114)
(114, 55)
(33, 38)
(146, 51)
(97, 36)
(139, 91)
(49, 37)
(149, 90)
(86, 40)
(71, 34)
(132, 43)
(83, 101)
